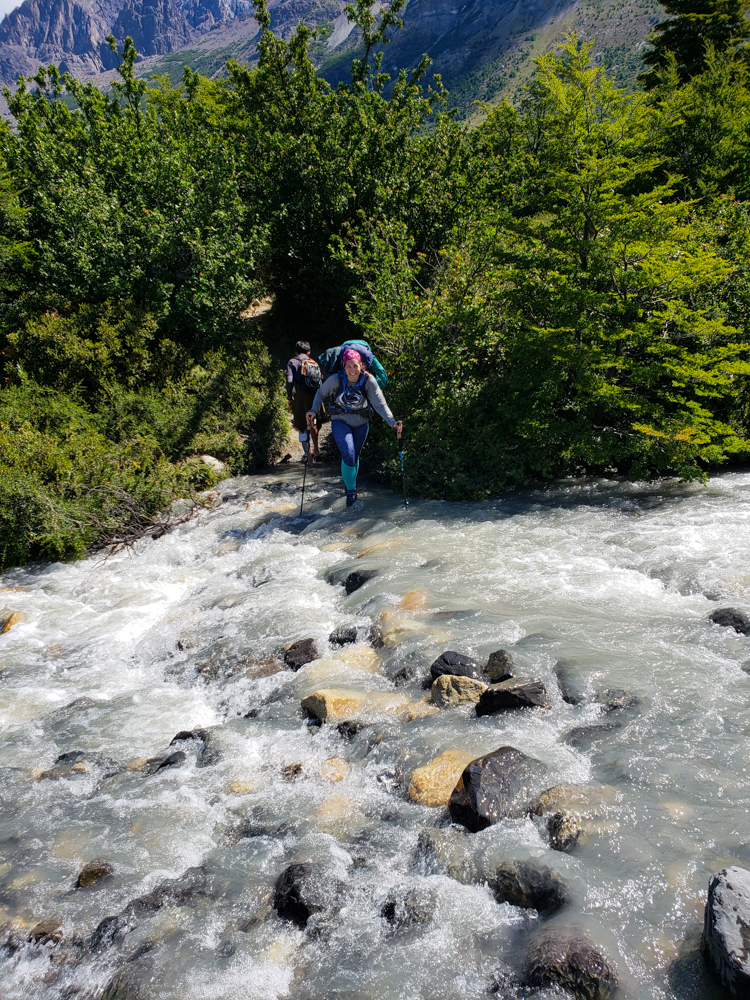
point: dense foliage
(563, 289)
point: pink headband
(348, 353)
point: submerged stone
(406, 908)
(530, 885)
(731, 618)
(519, 692)
(343, 635)
(358, 579)
(573, 688)
(726, 929)
(94, 873)
(491, 787)
(563, 956)
(573, 812)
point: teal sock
(349, 475)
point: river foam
(116, 656)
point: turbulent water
(115, 657)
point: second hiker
(303, 380)
(352, 395)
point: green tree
(684, 38)
(566, 333)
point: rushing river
(115, 657)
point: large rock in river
(494, 786)
(519, 692)
(731, 618)
(456, 664)
(449, 690)
(726, 929)
(563, 956)
(300, 653)
(573, 812)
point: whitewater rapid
(110, 658)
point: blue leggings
(350, 441)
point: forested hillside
(562, 289)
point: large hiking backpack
(330, 360)
(309, 375)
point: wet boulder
(300, 653)
(46, 931)
(207, 751)
(530, 885)
(408, 907)
(156, 764)
(574, 689)
(375, 636)
(455, 664)
(726, 929)
(124, 985)
(572, 813)
(450, 690)
(500, 666)
(94, 873)
(304, 889)
(358, 579)
(519, 692)
(731, 618)
(564, 956)
(617, 700)
(496, 785)
(343, 635)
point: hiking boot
(351, 498)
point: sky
(6, 6)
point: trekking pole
(403, 474)
(304, 474)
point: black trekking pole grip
(403, 474)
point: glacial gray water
(114, 657)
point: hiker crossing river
(353, 393)
(237, 763)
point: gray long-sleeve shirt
(330, 390)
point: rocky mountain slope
(484, 49)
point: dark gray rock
(349, 729)
(574, 689)
(304, 889)
(731, 618)
(408, 907)
(343, 635)
(726, 929)
(94, 873)
(494, 786)
(530, 885)
(156, 764)
(584, 737)
(519, 692)
(358, 579)
(745, 666)
(617, 700)
(300, 653)
(208, 752)
(563, 956)
(500, 666)
(456, 664)
(375, 636)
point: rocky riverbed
(453, 751)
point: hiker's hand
(311, 415)
(398, 427)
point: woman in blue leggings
(352, 394)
